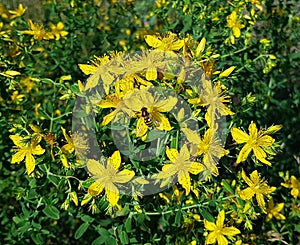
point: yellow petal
(87, 197)
(133, 100)
(230, 231)
(196, 168)
(279, 207)
(87, 69)
(151, 74)
(273, 129)
(227, 72)
(95, 168)
(152, 41)
(60, 25)
(64, 161)
(18, 156)
(239, 136)
(254, 176)
(141, 128)
(185, 181)
(12, 73)
(92, 81)
(252, 130)
(68, 139)
(245, 151)
(107, 78)
(261, 155)
(80, 86)
(108, 118)
(124, 176)
(68, 148)
(246, 194)
(95, 189)
(236, 32)
(200, 47)
(29, 163)
(38, 150)
(192, 136)
(112, 194)
(211, 238)
(209, 225)
(172, 154)
(247, 180)
(177, 45)
(195, 101)
(74, 197)
(164, 123)
(166, 105)
(17, 140)
(261, 201)
(141, 181)
(168, 170)
(220, 219)
(265, 140)
(115, 160)
(222, 240)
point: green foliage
(40, 80)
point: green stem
(235, 52)
(184, 208)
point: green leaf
(155, 134)
(37, 238)
(227, 186)
(103, 232)
(178, 218)
(124, 237)
(75, 89)
(128, 224)
(87, 219)
(81, 230)
(187, 23)
(53, 179)
(206, 215)
(51, 211)
(99, 240)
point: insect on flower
(148, 118)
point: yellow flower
(295, 185)
(180, 167)
(154, 106)
(213, 96)
(257, 4)
(257, 141)
(209, 146)
(219, 231)
(169, 42)
(274, 211)
(234, 23)
(227, 72)
(69, 147)
(3, 11)
(38, 32)
(113, 101)
(257, 187)
(16, 97)
(58, 30)
(107, 177)
(76, 142)
(129, 82)
(26, 148)
(18, 12)
(150, 63)
(100, 68)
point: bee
(146, 116)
